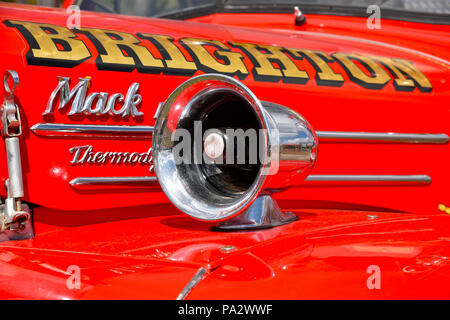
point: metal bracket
(300, 18)
(15, 225)
(264, 213)
(15, 217)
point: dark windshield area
(420, 6)
(414, 10)
(144, 8)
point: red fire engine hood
(130, 243)
(351, 83)
(327, 254)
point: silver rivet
(228, 248)
(372, 216)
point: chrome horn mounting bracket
(263, 213)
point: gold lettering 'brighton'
(56, 46)
(377, 79)
(51, 45)
(263, 57)
(121, 51)
(223, 60)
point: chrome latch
(15, 216)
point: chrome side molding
(338, 180)
(56, 129)
(384, 137)
(114, 181)
(371, 179)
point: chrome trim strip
(114, 181)
(328, 178)
(409, 179)
(56, 129)
(191, 284)
(384, 137)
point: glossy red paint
(348, 108)
(323, 255)
(432, 38)
(131, 243)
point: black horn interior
(224, 109)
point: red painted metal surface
(131, 243)
(323, 255)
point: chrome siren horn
(220, 153)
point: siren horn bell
(219, 152)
